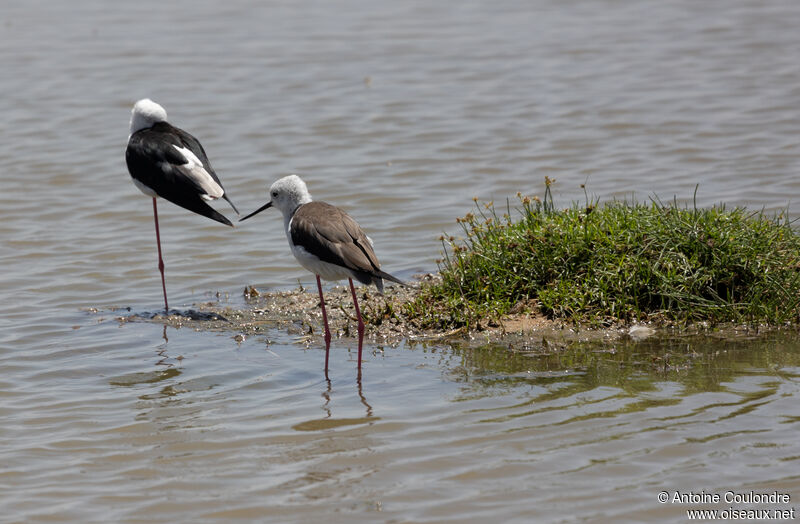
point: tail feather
(213, 214)
(375, 277)
(200, 207)
(379, 276)
(219, 217)
(387, 276)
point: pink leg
(360, 324)
(160, 260)
(325, 321)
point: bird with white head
(327, 242)
(166, 161)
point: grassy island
(618, 261)
(533, 267)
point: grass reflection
(700, 363)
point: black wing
(154, 161)
(188, 140)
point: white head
(289, 193)
(145, 113)
(286, 194)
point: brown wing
(334, 237)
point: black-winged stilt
(165, 161)
(328, 242)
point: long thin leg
(360, 323)
(160, 260)
(325, 321)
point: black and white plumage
(166, 161)
(326, 241)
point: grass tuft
(619, 261)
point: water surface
(400, 113)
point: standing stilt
(327, 242)
(324, 321)
(160, 259)
(360, 323)
(166, 161)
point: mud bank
(297, 312)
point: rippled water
(401, 113)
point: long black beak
(257, 211)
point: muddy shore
(297, 312)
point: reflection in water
(178, 400)
(145, 377)
(700, 362)
(332, 423)
(468, 99)
(605, 424)
(362, 397)
(329, 422)
(155, 376)
(626, 375)
(162, 350)
(327, 395)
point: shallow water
(400, 113)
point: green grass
(619, 261)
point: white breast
(144, 189)
(325, 270)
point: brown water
(400, 112)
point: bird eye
(274, 193)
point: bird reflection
(161, 350)
(328, 395)
(362, 397)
